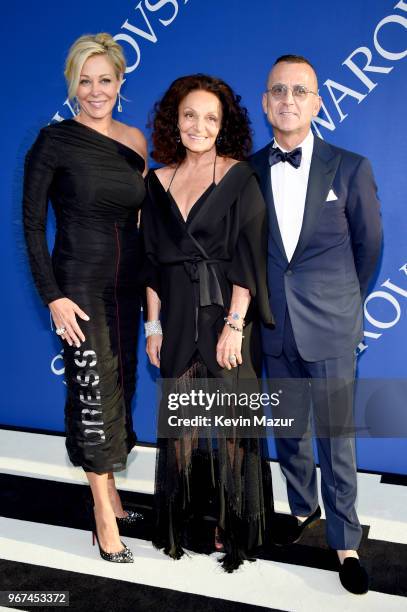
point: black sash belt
(206, 286)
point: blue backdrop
(359, 50)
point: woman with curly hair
(204, 232)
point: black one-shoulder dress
(96, 188)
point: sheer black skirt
(206, 482)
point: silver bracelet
(153, 327)
(234, 327)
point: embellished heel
(131, 518)
(123, 556)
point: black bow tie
(292, 157)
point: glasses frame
(287, 87)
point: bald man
(324, 243)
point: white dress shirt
(289, 191)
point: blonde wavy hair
(85, 47)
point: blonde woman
(91, 169)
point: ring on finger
(60, 331)
(232, 359)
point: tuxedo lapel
(324, 164)
(263, 169)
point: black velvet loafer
(353, 576)
(289, 530)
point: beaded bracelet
(153, 327)
(238, 329)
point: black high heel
(123, 556)
(131, 518)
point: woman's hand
(64, 313)
(153, 349)
(229, 346)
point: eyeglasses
(280, 91)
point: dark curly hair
(235, 138)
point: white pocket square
(331, 196)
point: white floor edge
(263, 583)
(44, 456)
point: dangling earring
(119, 103)
(219, 140)
(76, 106)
